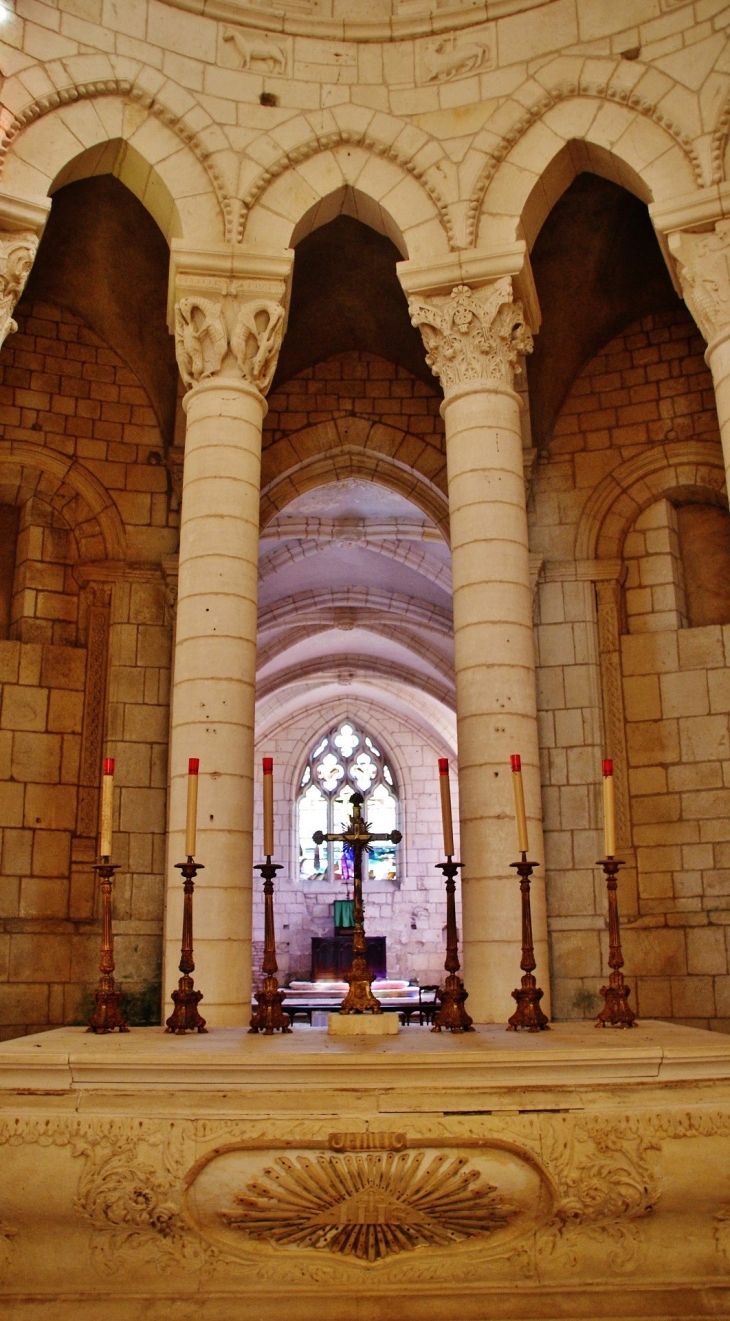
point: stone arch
(304, 547)
(607, 119)
(43, 136)
(349, 201)
(387, 174)
(358, 462)
(380, 624)
(344, 667)
(615, 504)
(126, 164)
(572, 159)
(28, 470)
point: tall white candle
(268, 764)
(191, 821)
(609, 809)
(519, 792)
(446, 819)
(107, 804)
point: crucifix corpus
(359, 998)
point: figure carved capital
(228, 337)
(702, 262)
(473, 336)
(17, 252)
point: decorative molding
(129, 90)
(473, 336)
(345, 137)
(603, 91)
(702, 264)
(370, 1206)
(17, 253)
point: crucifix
(359, 998)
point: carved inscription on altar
(365, 1201)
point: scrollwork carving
(473, 336)
(17, 252)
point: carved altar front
(579, 1175)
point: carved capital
(17, 253)
(213, 338)
(702, 264)
(473, 336)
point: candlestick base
(452, 1015)
(360, 998)
(185, 1017)
(107, 1015)
(269, 1017)
(616, 1010)
(528, 1016)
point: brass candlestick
(269, 1017)
(107, 1015)
(528, 1014)
(185, 1017)
(452, 1015)
(616, 1011)
(359, 998)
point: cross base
(452, 1015)
(185, 1017)
(359, 998)
(528, 1015)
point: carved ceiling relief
(212, 338)
(17, 253)
(473, 336)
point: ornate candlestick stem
(452, 1015)
(185, 1017)
(269, 1017)
(528, 1014)
(107, 1015)
(616, 1011)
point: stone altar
(579, 1175)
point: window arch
(344, 761)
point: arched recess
(349, 201)
(575, 158)
(125, 163)
(639, 148)
(41, 143)
(344, 668)
(28, 470)
(615, 504)
(311, 176)
(352, 461)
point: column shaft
(495, 688)
(718, 360)
(214, 689)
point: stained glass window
(343, 762)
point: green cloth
(344, 913)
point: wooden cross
(359, 998)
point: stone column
(21, 224)
(474, 336)
(704, 273)
(228, 322)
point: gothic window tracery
(345, 761)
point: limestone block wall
(637, 435)
(411, 913)
(85, 669)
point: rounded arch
(44, 136)
(357, 462)
(71, 489)
(387, 175)
(344, 668)
(615, 504)
(651, 152)
(379, 625)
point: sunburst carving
(369, 1206)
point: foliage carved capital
(473, 336)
